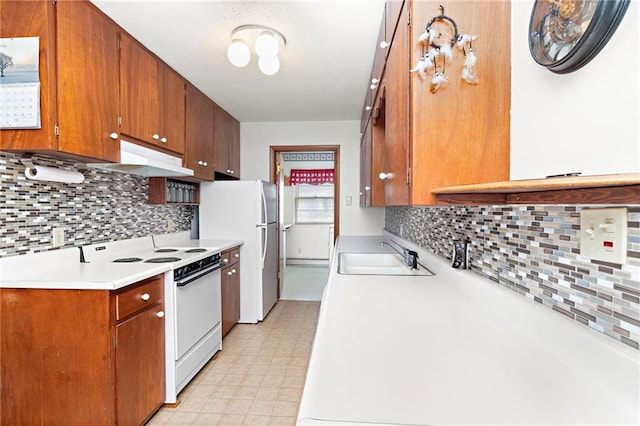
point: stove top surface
(142, 250)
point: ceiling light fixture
(267, 43)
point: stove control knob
(145, 297)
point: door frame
(273, 158)
(274, 150)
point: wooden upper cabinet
(199, 155)
(396, 113)
(461, 133)
(78, 72)
(152, 98)
(226, 144)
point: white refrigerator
(246, 210)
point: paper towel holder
(33, 172)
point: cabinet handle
(233, 271)
(225, 260)
(386, 176)
(160, 314)
(384, 44)
(229, 273)
(202, 163)
(145, 297)
(163, 140)
(113, 136)
(373, 86)
(237, 255)
(368, 108)
(156, 136)
(230, 171)
(367, 188)
(374, 81)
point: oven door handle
(199, 275)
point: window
(314, 203)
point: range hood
(138, 160)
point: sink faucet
(410, 256)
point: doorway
(302, 275)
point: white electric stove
(192, 301)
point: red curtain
(312, 176)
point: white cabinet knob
(203, 163)
(160, 314)
(384, 176)
(163, 140)
(237, 255)
(367, 188)
(234, 271)
(384, 44)
(225, 260)
(368, 108)
(113, 136)
(156, 136)
(373, 86)
(229, 273)
(145, 296)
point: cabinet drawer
(229, 257)
(142, 295)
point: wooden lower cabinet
(93, 357)
(230, 289)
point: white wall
(256, 138)
(585, 121)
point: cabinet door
(173, 104)
(139, 80)
(199, 155)
(396, 110)
(87, 81)
(140, 367)
(227, 143)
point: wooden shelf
(602, 189)
(160, 191)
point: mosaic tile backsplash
(107, 206)
(535, 250)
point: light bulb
(269, 65)
(266, 44)
(238, 53)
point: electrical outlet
(170, 225)
(603, 234)
(57, 237)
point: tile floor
(257, 378)
(304, 282)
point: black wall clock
(564, 35)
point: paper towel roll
(53, 174)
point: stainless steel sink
(377, 264)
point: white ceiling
(324, 69)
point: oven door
(198, 308)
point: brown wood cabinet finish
(230, 289)
(66, 359)
(78, 75)
(396, 111)
(226, 144)
(460, 134)
(199, 149)
(152, 98)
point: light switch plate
(603, 234)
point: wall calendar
(19, 83)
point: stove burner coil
(162, 260)
(196, 250)
(166, 250)
(127, 260)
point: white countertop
(62, 269)
(457, 348)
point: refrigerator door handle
(264, 206)
(265, 231)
